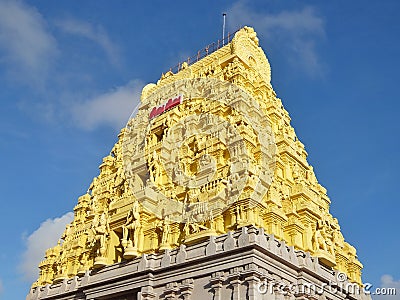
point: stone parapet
(236, 265)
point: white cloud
(96, 34)
(111, 108)
(294, 32)
(387, 282)
(46, 236)
(26, 46)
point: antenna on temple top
(223, 29)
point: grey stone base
(246, 264)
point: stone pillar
(186, 288)
(234, 280)
(252, 282)
(147, 293)
(252, 277)
(171, 291)
(216, 284)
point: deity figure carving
(240, 215)
(193, 224)
(253, 180)
(119, 181)
(205, 161)
(83, 264)
(153, 140)
(178, 175)
(318, 240)
(61, 263)
(101, 230)
(322, 239)
(154, 168)
(137, 183)
(165, 230)
(130, 232)
(296, 173)
(327, 235)
(192, 227)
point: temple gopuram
(207, 194)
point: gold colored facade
(111, 225)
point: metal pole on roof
(223, 29)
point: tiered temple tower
(206, 193)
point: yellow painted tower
(210, 150)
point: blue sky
(71, 73)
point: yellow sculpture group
(182, 190)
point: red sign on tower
(158, 110)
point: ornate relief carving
(204, 163)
